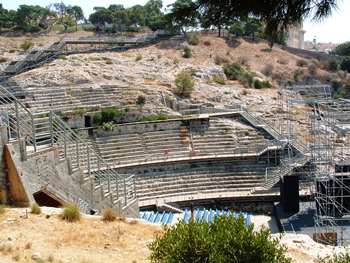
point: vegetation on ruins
(187, 53)
(109, 215)
(79, 111)
(109, 126)
(26, 45)
(343, 49)
(336, 258)
(261, 84)
(35, 209)
(2, 209)
(71, 213)
(141, 100)
(193, 39)
(184, 84)
(227, 239)
(219, 79)
(138, 57)
(345, 64)
(108, 114)
(235, 71)
(154, 117)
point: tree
(252, 26)
(227, 239)
(343, 49)
(100, 17)
(237, 28)
(184, 84)
(184, 14)
(154, 18)
(136, 15)
(7, 18)
(28, 17)
(77, 13)
(119, 17)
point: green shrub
(79, 111)
(193, 39)
(343, 49)
(107, 114)
(141, 100)
(187, 52)
(219, 79)
(109, 126)
(333, 65)
(2, 209)
(235, 71)
(345, 64)
(184, 84)
(340, 258)
(227, 239)
(301, 63)
(138, 57)
(71, 213)
(26, 45)
(154, 117)
(35, 209)
(258, 84)
(219, 60)
(109, 215)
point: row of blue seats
(165, 218)
(204, 215)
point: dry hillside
(48, 238)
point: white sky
(334, 29)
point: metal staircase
(48, 131)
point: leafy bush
(79, 111)
(343, 49)
(227, 239)
(258, 84)
(141, 100)
(138, 57)
(187, 52)
(2, 209)
(184, 84)
(193, 39)
(26, 45)
(282, 61)
(235, 71)
(219, 60)
(35, 209)
(219, 79)
(109, 215)
(301, 63)
(154, 117)
(109, 126)
(71, 213)
(107, 114)
(333, 65)
(340, 258)
(345, 64)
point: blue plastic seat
(205, 215)
(170, 218)
(211, 215)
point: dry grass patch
(71, 213)
(35, 209)
(109, 215)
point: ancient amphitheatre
(162, 127)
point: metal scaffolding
(326, 144)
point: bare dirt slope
(89, 241)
